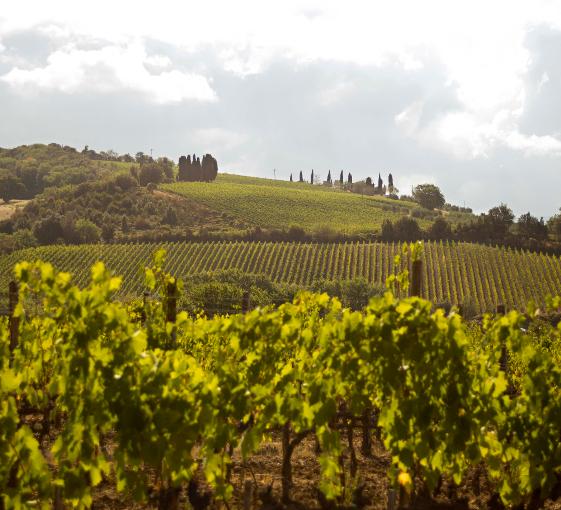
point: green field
(277, 204)
(458, 273)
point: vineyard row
(458, 273)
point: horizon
(462, 96)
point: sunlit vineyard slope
(270, 203)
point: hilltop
(318, 208)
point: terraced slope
(458, 273)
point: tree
(428, 196)
(498, 221)
(312, 177)
(531, 228)
(291, 178)
(406, 229)
(390, 183)
(183, 168)
(341, 178)
(150, 172)
(554, 226)
(349, 178)
(107, 231)
(48, 230)
(329, 177)
(11, 187)
(440, 229)
(170, 218)
(368, 181)
(387, 230)
(88, 232)
(380, 182)
(301, 176)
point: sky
(463, 94)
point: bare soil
(7, 210)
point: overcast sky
(465, 94)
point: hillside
(274, 204)
(463, 273)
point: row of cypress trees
(329, 179)
(195, 170)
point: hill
(459, 273)
(273, 204)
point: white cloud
(112, 68)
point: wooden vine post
(416, 277)
(13, 321)
(171, 308)
(245, 301)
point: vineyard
(457, 273)
(162, 408)
(279, 204)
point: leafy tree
(387, 230)
(49, 230)
(11, 187)
(428, 196)
(499, 219)
(368, 181)
(107, 231)
(88, 232)
(554, 226)
(530, 227)
(170, 218)
(150, 172)
(407, 229)
(440, 229)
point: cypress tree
(329, 177)
(390, 182)
(312, 177)
(290, 177)
(301, 176)
(350, 178)
(182, 173)
(380, 183)
(198, 170)
(341, 177)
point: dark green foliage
(193, 170)
(39, 166)
(428, 196)
(341, 178)
(354, 294)
(440, 229)
(170, 217)
(407, 229)
(530, 227)
(150, 173)
(48, 230)
(301, 177)
(387, 231)
(11, 187)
